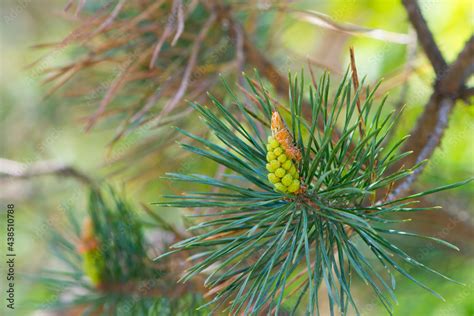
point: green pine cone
(282, 171)
(93, 265)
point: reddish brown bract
(283, 136)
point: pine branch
(107, 265)
(274, 221)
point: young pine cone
(93, 263)
(282, 169)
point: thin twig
(325, 21)
(109, 19)
(164, 36)
(79, 6)
(311, 73)
(239, 48)
(11, 168)
(180, 28)
(119, 80)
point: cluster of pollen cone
(282, 172)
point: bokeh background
(38, 126)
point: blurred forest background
(40, 121)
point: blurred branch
(448, 87)
(425, 36)
(266, 68)
(434, 120)
(428, 146)
(165, 35)
(11, 168)
(325, 21)
(170, 105)
(453, 80)
(466, 93)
